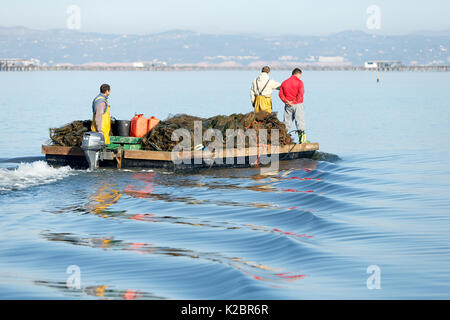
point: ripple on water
(231, 233)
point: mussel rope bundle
(71, 134)
(160, 138)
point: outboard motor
(93, 144)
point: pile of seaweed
(160, 138)
(71, 134)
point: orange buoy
(139, 126)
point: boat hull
(74, 157)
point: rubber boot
(301, 136)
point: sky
(264, 17)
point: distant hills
(181, 47)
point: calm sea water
(309, 230)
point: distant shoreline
(212, 68)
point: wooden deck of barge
(74, 157)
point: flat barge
(123, 158)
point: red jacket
(292, 90)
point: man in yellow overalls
(101, 119)
(261, 91)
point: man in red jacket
(291, 93)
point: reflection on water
(108, 195)
(147, 185)
(105, 196)
(100, 291)
(254, 269)
(262, 207)
(144, 187)
(147, 217)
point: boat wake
(22, 159)
(31, 174)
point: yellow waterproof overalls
(106, 117)
(262, 103)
